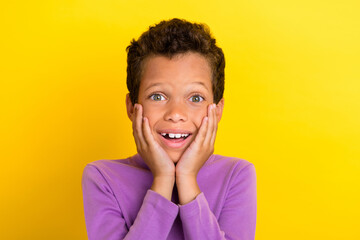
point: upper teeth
(175, 135)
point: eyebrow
(159, 83)
(202, 84)
(153, 85)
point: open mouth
(175, 136)
(175, 140)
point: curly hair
(169, 38)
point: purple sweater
(119, 203)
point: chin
(175, 157)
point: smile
(175, 135)
(172, 139)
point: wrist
(188, 188)
(185, 178)
(163, 185)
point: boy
(175, 187)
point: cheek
(147, 111)
(199, 116)
(151, 114)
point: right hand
(154, 155)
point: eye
(157, 97)
(196, 98)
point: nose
(176, 112)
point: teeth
(175, 135)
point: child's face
(175, 95)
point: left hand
(200, 149)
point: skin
(175, 95)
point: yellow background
(292, 107)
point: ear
(129, 107)
(219, 109)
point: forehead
(180, 70)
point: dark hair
(169, 38)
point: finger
(200, 137)
(138, 126)
(212, 141)
(137, 141)
(209, 131)
(148, 137)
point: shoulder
(239, 173)
(227, 170)
(228, 163)
(114, 169)
(133, 162)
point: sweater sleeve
(104, 217)
(238, 216)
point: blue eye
(196, 98)
(157, 97)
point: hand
(200, 149)
(160, 164)
(194, 158)
(153, 154)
